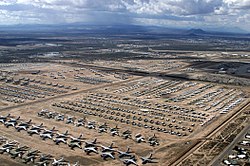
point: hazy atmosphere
(208, 14)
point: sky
(169, 13)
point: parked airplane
(127, 153)
(75, 142)
(108, 148)
(91, 143)
(106, 155)
(59, 162)
(23, 126)
(148, 159)
(12, 122)
(90, 149)
(3, 119)
(129, 161)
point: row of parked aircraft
(106, 152)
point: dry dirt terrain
(172, 119)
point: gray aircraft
(91, 143)
(75, 142)
(80, 122)
(18, 152)
(31, 156)
(114, 131)
(23, 126)
(153, 141)
(127, 153)
(64, 135)
(61, 138)
(35, 129)
(3, 119)
(43, 112)
(91, 125)
(106, 155)
(127, 134)
(47, 134)
(14, 153)
(45, 157)
(42, 163)
(7, 147)
(59, 162)
(90, 149)
(139, 138)
(11, 122)
(130, 161)
(103, 128)
(148, 159)
(60, 117)
(108, 148)
(70, 120)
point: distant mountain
(119, 29)
(226, 29)
(196, 31)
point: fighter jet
(59, 117)
(47, 134)
(79, 139)
(45, 157)
(125, 154)
(14, 153)
(91, 143)
(139, 138)
(79, 122)
(11, 122)
(64, 135)
(18, 152)
(43, 112)
(103, 128)
(106, 155)
(129, 161)
(91, 125)
(108, 148)
(59, 162)
(33, 152)
(153, 141)
(75, 142)
(7, 147)
(23, 126)
(61, 138)
(42, 163)
(90, 149)
(31, 156)
(148, 159)
(3, 119)
(70, 120)
(51, 115)
(127, 134)
(114, 131)
(35, 129)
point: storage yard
(86, 114)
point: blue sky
(174, 13)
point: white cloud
(175, 12)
